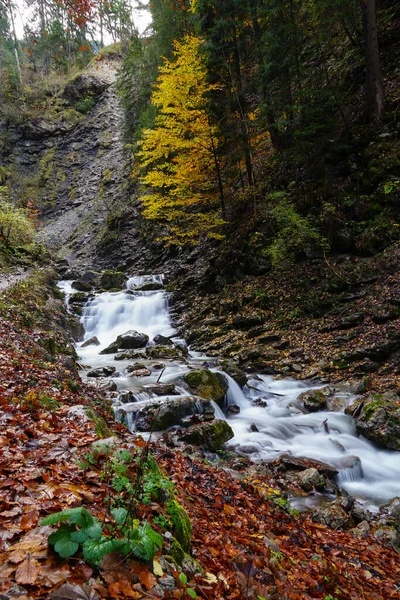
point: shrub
(15, 227)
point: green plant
(190, 591)
(80, 530)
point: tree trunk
(374, 85)
(15, 43)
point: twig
(160, 375)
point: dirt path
(9, 279)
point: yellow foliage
(177, 156)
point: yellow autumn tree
(178, 157)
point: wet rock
(254, 428)
(106, 385)
(129, 355)
(389, 535)
(233, 409)
(182, 347)
(352, 465)
(112, 280)
(161, 340)
(359, 513)
(150, 286)
(378, 419)
(155, 352)
(75, 328)
(101, 372)
(315, 400)
(337, 404)
(362, 530)
(138, 371)
(129, 340)
(126, 396)
(332, 516)
(309, 479)
(210, 436)
(161, 389)
(79, 298)
(392, 510)
(260, 402)
(159, 416)
(234, 371)
(287, 462)
(86, 282)
(207, 385)
(93, 341)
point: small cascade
(234, 394)
(110, 314)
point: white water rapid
(264, 430)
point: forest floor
(335, 319)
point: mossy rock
(156, 352)
(315, 400)
(113, 280)
(181, 523)
(208, 385)
(210, 436)
(79, 298)
(234, 371)
(159, 416)
(379, 420)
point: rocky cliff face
(77, 172)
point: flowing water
(263, 430)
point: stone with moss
(210, 436)
(315, 400)
(378, 419)
(112, 280)
(156, 352)
(206, 384)
(181, 524)
(159, 416)
(234, 371)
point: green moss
(177, 552)
(181, 523)
(207, 385)
(373, 406)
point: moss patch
(207, 385)
(181, 523)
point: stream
(263, 431)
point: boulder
(101, 372)
(159, 416)
(161, 340)
(310, 479)
(392, 510)
(287, 462)
(156, 352)
(161, 389)
(234, 371)
(79, 298)
(182, 347)
(128, 340)
(93, 341)
(210, 436)
(332, 516)
(206, 384)
(378, 419)
(86, 282)
(315, 400)
(112, 280)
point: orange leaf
(123, 589)
(147, 579)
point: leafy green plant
(80, 530)
(190, 591)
